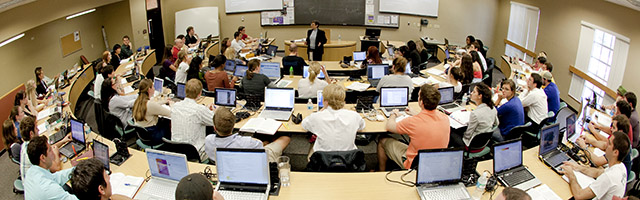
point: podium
(365, 43)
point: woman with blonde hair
(308, 87)
(183, 62)
(146, 111)
(32, 98)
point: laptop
(570, 129)
(393, 98)
(225, 97)
(447, 104)
(101, 152)
(442, 179)
(305, 73)
(278, 103)
(230, 66)
(180, 91)
(375, 73)
(320, 100)
(271, 70)
(508, 168)
(166, 169)
(549, 151)
(242, 173)
(157, 86)
(359, 56)
(390, 51)
(77, 144)
(240, 71)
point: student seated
(373, 56)
(11, 140)
(106, 73)
(512, 193)
(477, 66)
(622, 108)
(413, 56)
(467, 68)
(32, 96)
(475, 46)
(168, 69)
(618, 123)
(16, 116)
(293, 60)
(254, 82)
(610, 181)
(335, 125)
(147, 111)
(535, 100)
(90, 180)
(511, 113)
(226, 43)
(115, 56)
(194, 68)
(399, 78)
(177, 47)
(630, 97)
(223, 121)
(191, 39)
(189, 119)
(196, 187)
(424, 54)
(454, 78)
(434, 137)
(40, 182)
(183, 65)
(552, 92)
(126, 48)
(218, 78)
(30, 130)
(481, 120)
(117, 104)
(43, 81)
(308, 87)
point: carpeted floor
(9, 171)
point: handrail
(593, 81)
(527, 51)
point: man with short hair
(534, 100)
(237, 44)
(29, 131)
(547, 67)
(635, 124)
(552, 92)
(90, 180)
(475, 46)
(293, 60)
(511, 113)
(189, 119)
(106, 73)
(40, 182)
(196, 187)
(618, 123)
(622, 108)
(512, 193)
(126, 51)
(539, 63)
(610, 181)
(179, 44)
(427, 128)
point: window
(523, 29)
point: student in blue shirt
(41, 183)
(551, 90)
(510, 114)
(90, 180)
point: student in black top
(316, 39)
(254, 82)
(191, 39)
(293, 60)
(424, 54)
(126, 47)
(115, 56)
(414, 57)
(194, 69)
(41, 87)
(470, 39)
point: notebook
(447, 104)
(359, 56)
(549, 152)
(240, 71)
(242, 173)
(305, 73)
(507, 166)
(442, 179)
(375, 73)
(166, 169)
(77, 145)
(157, 86)
(278, 103)
(225, 97)
(393, 98)
(271, 70)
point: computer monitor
(230, 65)
(181, 93)
(270, 69)
(507, 155)
(157, 85)
(167, 165)
(240, 71)
(225, 97)
(570, 128)
(359, 56)
(372, 33)
(447, 168)
(377, 71)
(305, 72)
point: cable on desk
(409, 184)
(147, 176)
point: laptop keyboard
(449, 106)
(518, 177)
(558, 158)
(160, 189)
(446, 193)
(232, 195)
(278, 115)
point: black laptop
(508, 168)
(77, 144)
(549, 151)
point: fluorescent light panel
(14, 38)
(80, 13)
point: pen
(285, 125)
(83, 158)
(74, 149)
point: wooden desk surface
(331, 66)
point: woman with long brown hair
(373, 56)
(146, 111)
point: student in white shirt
(398, 78)
(237, 44)
(535, 100)
(30, 130)
(189, 119)
(308, 87)
(184, 59)
(609, 182)
(335, 126)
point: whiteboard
(204, 20)
(236, 6)
(427, 8)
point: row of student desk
(313, 185)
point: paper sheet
(42, 128)
(419, 81)
(123, 81)
(45, 113)
(432, 80)
(583, 180)
(543, 192)
(461, 116)
(130, 66)
(125, 185)
(368, 9)
(283, 83)
(435, 71)
(357, 86)
(128, 90)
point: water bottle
(339, 38)
(291, 72)
(465, 98)
(309, 105)
(482, 183)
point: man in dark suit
(316, 39)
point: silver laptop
(447, 102)
(507, 166)
(359, 56)
(278, 103)
(375, 73)
(166, 169)
(393, 98)
(442, 179)
(240, 71)
(157, 86)
(549, 151)
(271, 70)
(225, 97)
(242, 173)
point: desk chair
(479, 145)
(168, 83)
(488, 74)
(181, 147)
(632, 175)
(337, 161)
(144, 140)
(516, 132)
(18, 188)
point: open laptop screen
(230, 65)
(167, 165)
(101, 152)
(270, 69)
(549, 138)
(240, 70)
(271, 50)
(305, 72)
(157, 84)
(394, 96)
(390, 51)
(242, 166)
(377, 71)
(181, 93)
(570, 126)
(359, 56)
(446, 95)
(77, 130)
(225, 97)
(279, 97)
(407, 69)
(320, 100)
(447, 168)
(507, 155)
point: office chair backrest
(516, 132)
(99, 115)
(337, 161)
(181, 147)
(480, 141)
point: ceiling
(9, 4)
(633, 4)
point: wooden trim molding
(586, 77)
(530, 53)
